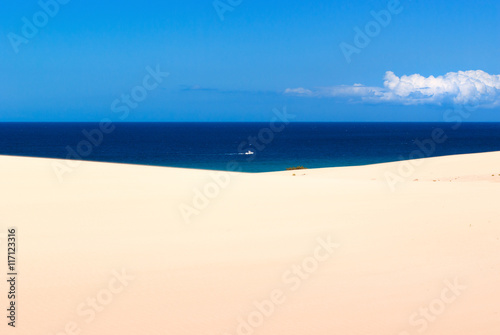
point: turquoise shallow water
(252, 147)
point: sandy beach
(128, 249)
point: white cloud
(464, 87)
(298, 91)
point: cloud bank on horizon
(476, 88)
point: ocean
(249, 147)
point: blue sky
(262, 55)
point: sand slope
(108, 251)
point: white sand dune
(420, 258)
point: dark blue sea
(251, 147)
